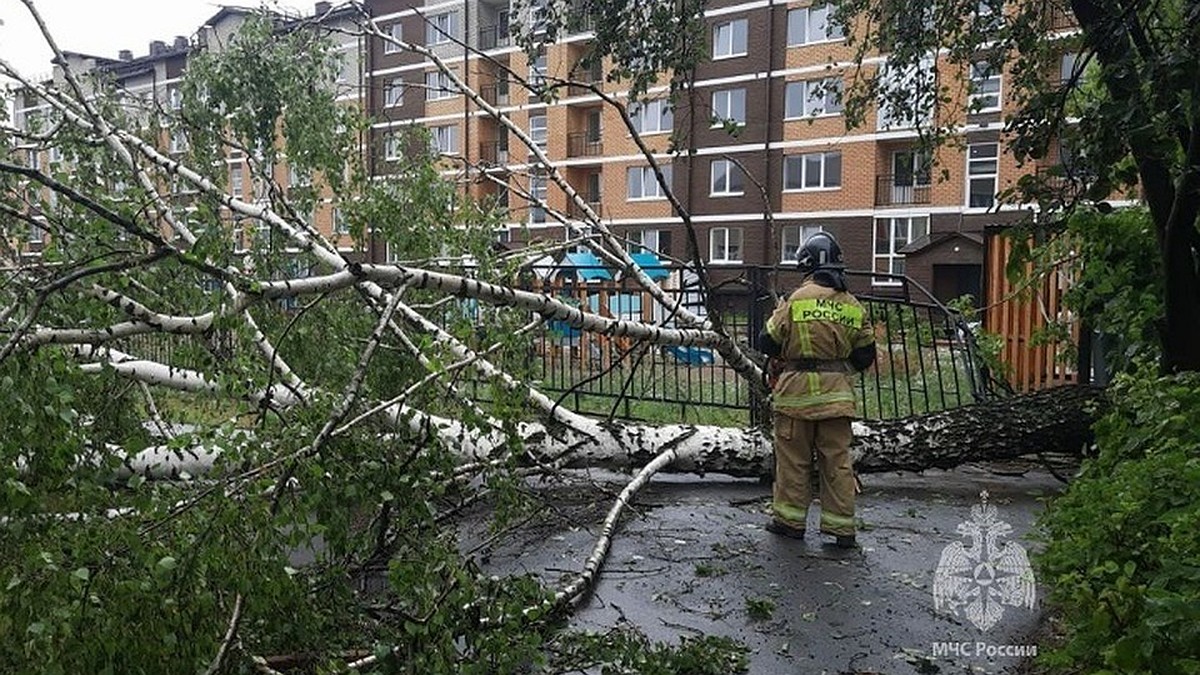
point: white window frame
(539, 186)
(36, 234)
(813, 17)
(438, 86)
(977, 171)
(174, 97)
(823, 179)
(797, 234)
(338, 221)
(721, 240)
(816, 98)
(726, 102)
(730, 39)
(884, 261)
(397, 32)
(653, 117)
(237, 181)
(538, 130)
(33, 159)
(646, 182)
(393, 93)
(391, 147)
(727, 187)
(440, 28)
(538, 69)
(444, 139)
(986, 88)
(178, 142)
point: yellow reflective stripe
(806, 351)
(833, 521)
(809, 400)
(791, 512)
(775, 331)
(820, 309)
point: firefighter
(820, 339)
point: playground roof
(587, 265)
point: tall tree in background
(1119, 115)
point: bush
(1122, 552)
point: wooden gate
(1019, 313)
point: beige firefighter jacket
(824, 325)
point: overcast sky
(105, 27)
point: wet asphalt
(692, 558)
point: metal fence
(927, 359)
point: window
(56, 154)
(340, 226)
(794, 236)
(982, 172)
(812, 98)
(906, 95)
(397, 33)
(891, 235)
(1066, 67)
(393, 93)
(652, 117)
(296, 177)
(985, 87)
(537, 130)
(812, 171)
(445, 139)
(174, 98)
(643, 184)
(391, 147)
(237, 182)
(910, 178)
(726, 178)
(37, 234)
(649, 241)
(537, 70)
(989, 15)
(178, 141)
(729, 39)
(729, 105)
(440, 28)
(33, 159)
(725, 245)
(807, 25)
(437, 86)
(537, 195)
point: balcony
(593, 202)
(493, 153)
(593, 75)
(584, 144)
(491, 37)
(892, 190)
(495, 94)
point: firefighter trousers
(796, 440)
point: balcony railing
(892, 192)
(593, 202)
(584, 145)
(1059, 18)
(491, 37)
(491, 152)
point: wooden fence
(1020, 313)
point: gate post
(759, 305)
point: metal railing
(927, 359)
(584, 144)
(491, 37)
(889, 193)
(492, 152)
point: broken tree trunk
(1053, 420)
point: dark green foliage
(627, 652)
(1122, 557)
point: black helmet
(819, 251)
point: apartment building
(764, 157)
(765, 160)
(149, 89)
